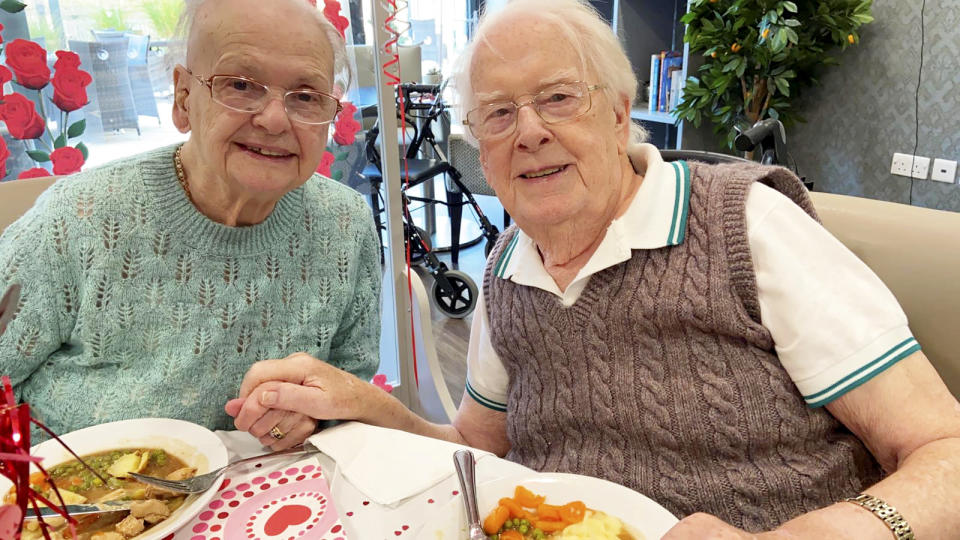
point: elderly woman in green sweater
(150, 285)
(687, 330)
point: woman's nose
(532, 131)
(273, 118)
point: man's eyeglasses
(556, 103)
(249, 96)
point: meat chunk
(154, 492)
(182, 474)
(130, 526)
(107, 536)
(152, 510)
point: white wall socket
(907, 165)
(944, 170)
(901, 164)
(921, 165)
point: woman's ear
(181, 102)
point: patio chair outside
(111, 104)
(139, 72)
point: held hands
(291, 394)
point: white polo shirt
(835, 325)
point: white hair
(582, 27)
(341, 66)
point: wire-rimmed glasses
(554, 104)
(250, 96)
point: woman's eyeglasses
(554, 104)
(247, 95)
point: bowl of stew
(160, 447)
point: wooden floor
(453, 335)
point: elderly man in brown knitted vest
(689, 331)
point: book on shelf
(676, 87)
(669, 61)
(654, 82)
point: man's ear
(181, 103)
(622, 124)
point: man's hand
(291, 394)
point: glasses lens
(562, 102)
(237, 93)
(311, 107)
(492, 119)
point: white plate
(637, 511)
(194, 445)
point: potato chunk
(107, 536)
(126, 464)
(152, 510)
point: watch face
(8, 305)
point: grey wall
(864, 110)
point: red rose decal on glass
(22, 119)
(325, 162)
(29, 63)
(70, 88)
(36, 172)
(346, 126)
(380, 380)
(66, 160)
(5, 76)
(67, 59)
(4, 154)
(331, 10)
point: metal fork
(201, 483)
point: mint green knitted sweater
(134, 304)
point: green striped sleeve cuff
(863, 374)
(488, 403)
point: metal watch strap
(898, 526)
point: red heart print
(287, 516)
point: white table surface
(363, 519)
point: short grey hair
(582, 27)
(342, 74)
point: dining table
(382, 484)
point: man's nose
(532, 131)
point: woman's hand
(286, 391)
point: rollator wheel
(488, 248)
(417, 251)
(459, 302)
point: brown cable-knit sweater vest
(661, 378)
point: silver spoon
(465, 464)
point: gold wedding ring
(276, 433)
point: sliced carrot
(527, 498)
(573, 512)
(548, 511)
(511, 535)
(516, 511)
(496, 519)
(549, 526)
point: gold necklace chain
(182, 176)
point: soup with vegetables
(528, 516)
(78, 485)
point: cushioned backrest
(17, 196)
(916, 252)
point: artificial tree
(760, 54)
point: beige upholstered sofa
(916, 251)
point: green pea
(523, 528)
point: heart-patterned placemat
(289, 503)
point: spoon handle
(465, 464)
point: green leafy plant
(163, 15)
(41, 28)
(760, 54)
(110, 18)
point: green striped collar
(656, 218)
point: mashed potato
(597, 526)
